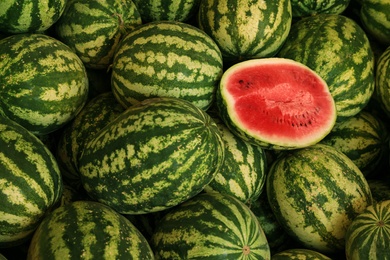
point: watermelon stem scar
(276, 103)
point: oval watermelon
(276, 103)
(153, 156)
(30, 183)
(315, 193)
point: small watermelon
(276, 103)
(312, 7)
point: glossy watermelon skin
(46, 84)
(368, 236)
(166, 59)
(328, 192)
(153, 156)
(363, 138)
(95, 115)
(338, 49)
(243, 172)
(88, 229)
(94, 29)
(299, 253)
(254, 29)
(171, 10)
(210, 226)
(30, 183)
(29, 16)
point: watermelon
(30, 183)
(87, 230)
(246, 29)
(172, 10)
(314, 7)
(382, 81)
(98, 112)
(338, 49)
(45, 83)
(28, 16)
(210, 226)
(166, 59)
(363, 138)
(153, 156)
(375, 18)
(315, 193)
(276, 103)
(93, 29)
(243, 172)
(368, 236)
(299, 254)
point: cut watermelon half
(276, 103)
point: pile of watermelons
(194, 129)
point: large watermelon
(29, 16)
(87, 230)
(153, 156)
(166, 59)
(30, 182)
(93, 29)
(210, 226)
(44, 83)
(338, 49)
(275, 103)
(375, 18)
(315, 193)
(246, 29)
(368, 236)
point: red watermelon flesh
(279, 102)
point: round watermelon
(275, 103)
(246, 29)
(375, 18)
(88, 230)
(44, 83)
(166, 59)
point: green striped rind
(153, 156)
(299, 254)
(210, 226)
(46, 84)
(363, 138)
(314, 7)
(375, 18)
(29, 16)
(243, 172)
(382, 80)
(169, 10)
(88, 230)
(30, 182)
(97, 113)
(166, 59)
(93, 29)
(337, 48)
(328, 192)
(368, 236)
(245, 30)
